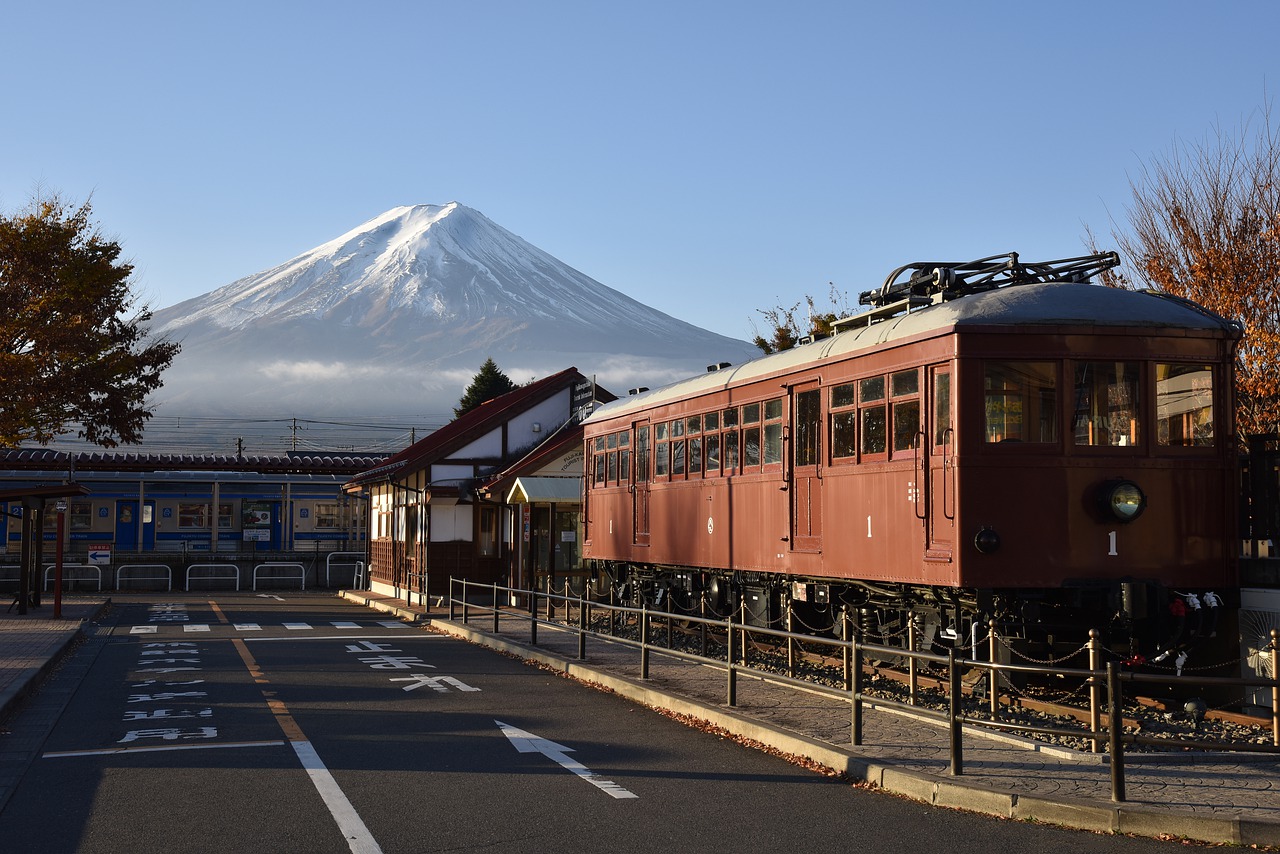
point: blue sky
(707, 158)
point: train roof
(1041, 304)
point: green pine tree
(491, 382)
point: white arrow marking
(527, 742)
(270, 596)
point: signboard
(99, 555)
(259, 535)
(255, 514)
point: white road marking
(353, 828)
(142, 630)
(115, 751)
(337, 625)
(248, 627)
(392, 624)
(196, 627)
(527, 742)
(294, 627)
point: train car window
(662, 458)
(843, 395)
(871, 389)
(1107, 396)
(193, 515)
(844, 434)
(751, 413)
(81, 515)
(751, 447)
(327, 515)
(730, 417)
(941, 408)
(906, 424)
(773, 432)
(677, 458)
(730, 451)
(906, 413)
(873, 430)
(711, 421)
(612, 476)
(642, 454)
(694, 425)
(1021, 402)
(677, 428)
(808, 428)
(226, 513)
(1184, 405)
(695, 456)
(598, 465)
(844, 421)
(713, 454)
(905, 383)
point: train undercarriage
(1133, 620)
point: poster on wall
(255, 520)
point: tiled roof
(43, 459)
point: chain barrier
(1047, 661)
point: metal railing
(280, 572)
(144, 572)
(1106, 684)
(72, 573)
(344, 559)
(214, 572)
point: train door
(129, 523)
(806, 467)
(938, 467)
(640, 485)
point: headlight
(1122, 500)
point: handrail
(234, 575)
(302, 572)
(166, 577)
(853, 648)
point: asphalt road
(303, 723)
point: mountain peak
(422, 288)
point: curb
(1079, 814)
(29, 680)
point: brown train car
(1049, 453)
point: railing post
(1115, 727)
(466, 611)
(846, 652)
(702, 612)
(495, 607)
(993, 675)
(743, 622)
(452, 611)
(533, 615)
(1095, 691)
(791, 642)
(913, 672)
(855, 687)
(644, 639)
(1275, 689)
(731, 673)
(582, 624)
(953, 715)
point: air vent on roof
(718, 366)
(638, 390)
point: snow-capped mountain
(397, 315)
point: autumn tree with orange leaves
(1204, 223)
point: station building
(492, 497)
